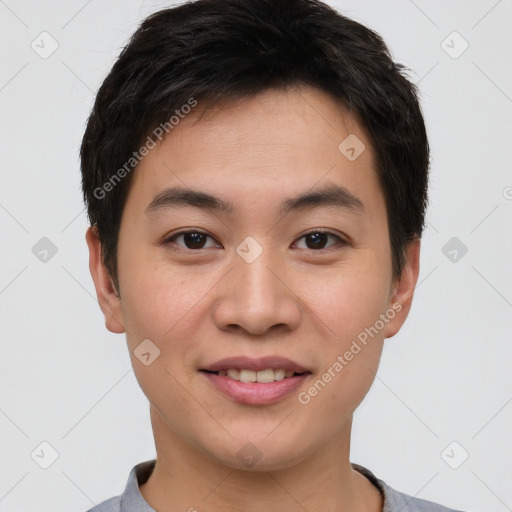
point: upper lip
(255, 364)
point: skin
(199, 305)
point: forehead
(260, 147)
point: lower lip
(256, 393)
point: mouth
(262, 376)
(256, 381)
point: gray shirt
(132, 500)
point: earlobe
(108, 298)
(403, 292)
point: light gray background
(446, 377)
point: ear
(403, 289)
(109, 301)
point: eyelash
(171, 240)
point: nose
(257, 297)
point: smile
(268, 375)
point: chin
(259, 453)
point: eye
(191, 239)
(317, 239)
(195, 240)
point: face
(250, 241)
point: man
(255, 173)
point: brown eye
(191, 240)
(318, 239)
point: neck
(186, 478)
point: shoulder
(397, 500)
(110, 505)
(130, 500)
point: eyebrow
(331, 195)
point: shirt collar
(132, 500)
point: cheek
(351, 310)
(350, 361)
(164, 310)
(351, 302)
(162, 305)
(156, 299)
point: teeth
(234, 374)
(268, 375)
(279, 374)
(247, 376)
(265, 376)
